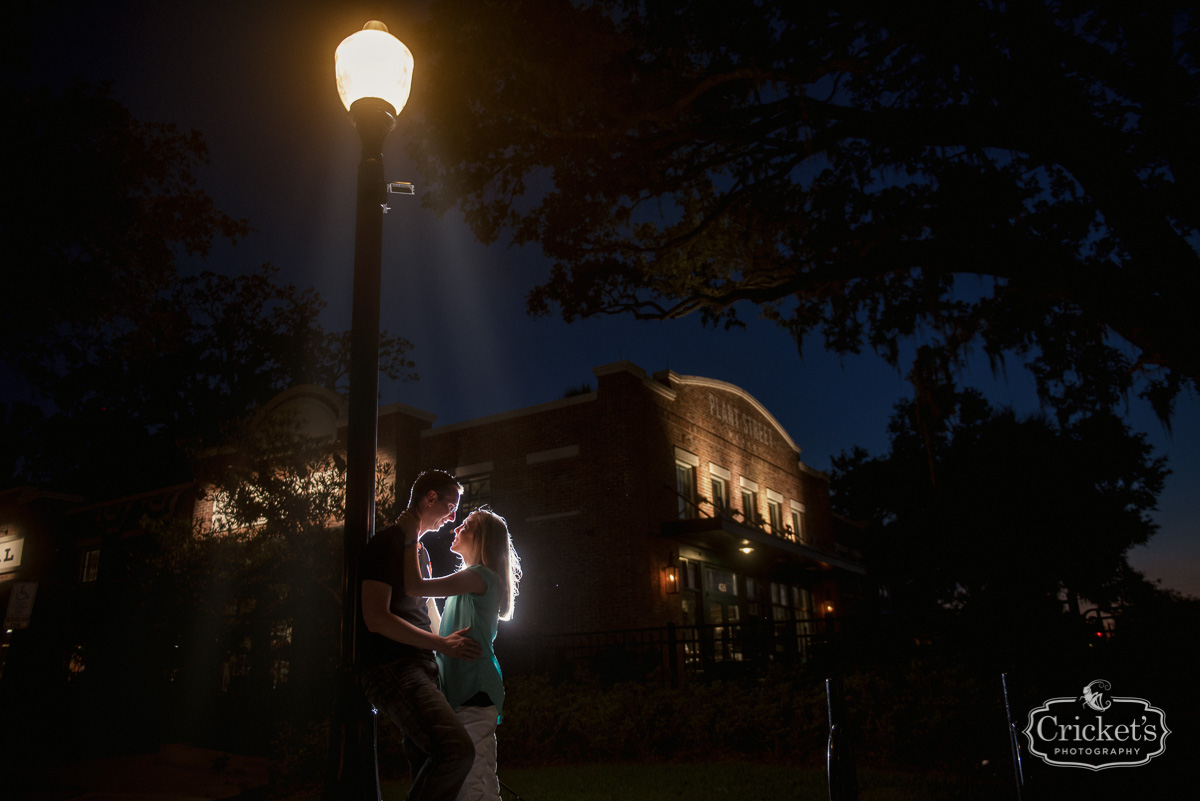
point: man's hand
(460, 646)
(410, 524)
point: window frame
(686, 488)
(799, 522)
(471, 499)
(775, 513)
(89, 565)
(750, 511)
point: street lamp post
(374, 75)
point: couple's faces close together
(465, 535)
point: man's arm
(461, 583)
(416, 585)
(377, 614)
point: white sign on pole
(20, 605)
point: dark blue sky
(256, 79)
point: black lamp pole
(354, 774)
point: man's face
(442, 509)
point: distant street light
(374, 75)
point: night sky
(256, 79)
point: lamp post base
(353, 755)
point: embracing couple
(447, 706)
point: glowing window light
(373, 63)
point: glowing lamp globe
(373, 63)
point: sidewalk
(175, 773)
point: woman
(478, 595)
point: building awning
(726, 536)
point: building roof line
(627, 366)
(404, 408)
(713, 383)
(500, 416)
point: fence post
(672, 655)
(1014, 741)
(839, 753)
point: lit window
(775, 514)
(281, 634)
(89, 565)
(720, 581)
(477, 492)
(689, 574)
(720, 478)
(280, 669)
(720, 495)
(685, 487)
(750, 502)
(782, 602)
(685, 482)
(799, 527)
(750, 505)
(753, 591)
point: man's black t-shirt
(383, 560)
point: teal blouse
(461, 679)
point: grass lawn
(746, 782)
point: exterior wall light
(671, 579)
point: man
(399, 672)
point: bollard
(1014, 741)
(839, 753)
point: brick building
(653, 500)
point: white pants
(481, 783)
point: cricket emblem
(1095, 695)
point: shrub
(924, 713)
(771, 718)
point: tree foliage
(131, 370)
(1016, 177)
(98, 210)
(257, 584)
(123, 362)
(1002, 515)
(260, 578)
(204, 353)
